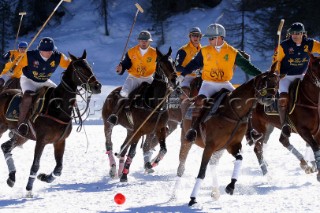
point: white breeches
(28, 84)
(208, 88)
(187, 81)
(286, 81)
(5, 77)
(132, 83)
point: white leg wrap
(196, 187)
(309, 155)
(10, 163)
(214, 176)
(236, 169)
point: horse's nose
(96, 88)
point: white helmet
(214, 30)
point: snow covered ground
(85, 186)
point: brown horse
(175, 117)
(225, 128)
(52, 123)
(304, 119)
(138, 119)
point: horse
(52, 120)
(147, 114)
(225, 127)
(303, 117)
(175, 117)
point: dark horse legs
(7, 148)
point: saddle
(293, 94)
(39, 105)
(213, 104)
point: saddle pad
(174, 100)
(12, 113)
(215, 106)
(293, 93)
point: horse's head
(82, 74)
(314, 69)
(266, 87)
(165, 67)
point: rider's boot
(196, 118)
(25, 105)
(283, 113)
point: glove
(180, 79)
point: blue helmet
(46, 44)
(23, 44)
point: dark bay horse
(175, 117)
(138, 120)
(304, 119)
(53, 123)
(226, 127)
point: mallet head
(68, 1)
(139, 7)
(22, 13)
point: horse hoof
(45, 178)
(29, 194)
(215, 194)
(11, 179)
(229, 190)
(147, 166)
(10, 182)
(149, 171)
(124, 178)
(192, 201)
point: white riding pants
(132, 83)
(187, 81)
(285, 82)
(28, 84)
(208, 88)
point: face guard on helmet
(215, 30)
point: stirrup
(191, 135)
(23, 129)
(286, 130)
(113, 119)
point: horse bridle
(262, 92)
(164, 78)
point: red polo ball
(119, 199)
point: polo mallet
(34, 38)
(139, 9)
(279, 38)
(20, 14)
(124, 146)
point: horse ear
(72, 56)
(84, 55)
(169, 52)
(158, 52)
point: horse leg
(258, 150)
(303, 164)
(309, 157)
(109, 152)
(184, 151)
(35, 166)
(161, 135)
(235, 151)
(148, 148)
(207, 152)
(312, 141)
(213, 163)
(7, 147)
(58, 155)
(131, 154)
